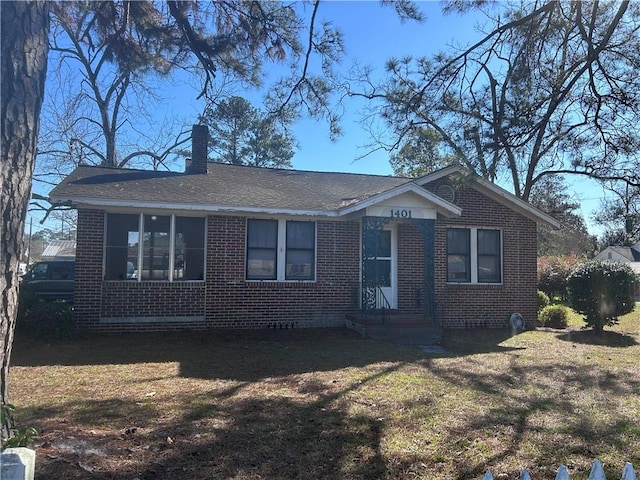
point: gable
(400, 202)
(498, 194)
(405, 205)
(619, 254)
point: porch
(395, 299)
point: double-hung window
(474, 255)
(489, 256)
(458, 255)
(262, 249)
(280, 250)
(143, 247)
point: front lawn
(327, 404)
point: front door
(380, 269)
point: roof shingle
(225, 186)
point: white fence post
(597, 473)
(563, 473)
(17, 464)
(628, 473)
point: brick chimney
(199, 141)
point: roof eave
(503, 196)
(83, 202)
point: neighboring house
(225, 246)
(629, 255)
(59, 250)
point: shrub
(553, 272)
(18, 437)
(45, 320)
(543, 300)
(553, 316)
(602, 291)
(26, 301)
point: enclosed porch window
(142, 247)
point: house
(60, 250)
(226, 246)
(629, 255)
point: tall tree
(25, 28)
(102, 101)
(550, 195)
(551, 88)
(234, 35)
(619, 214)
(419, 154)
(240, 134)
(109, 58)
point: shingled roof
(224, 187)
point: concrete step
(405, 331)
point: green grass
(328, 404)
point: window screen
(458, 255)
(300, 258)
(262, 249)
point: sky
(373, 34)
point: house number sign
(400, 213)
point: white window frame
(281, 251)
(473, 253)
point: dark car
(50, 280)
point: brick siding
(410, 269)
(88, 276)
(234, 302)
(478, 305)
(226, 300)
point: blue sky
(372, 35)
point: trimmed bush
(602, 291)
(554, 316)
(543, 300)
(45, 320)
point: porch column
(429, 234)
(428, 231)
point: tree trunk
(25, 32)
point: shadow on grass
(541, 405)
(605, 339)
(85, 413)
(244, 356)
(479, 340)
(248, 355)
(276, 437)
(326, 425)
